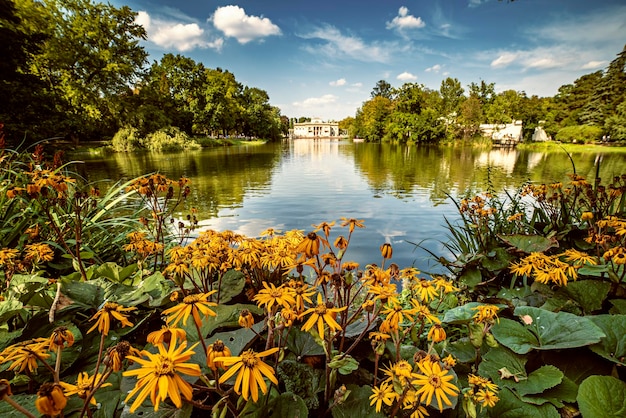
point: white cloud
(316, 101)
(406, 76)
(234, 22)
(176, 35)
(405, 21)
(434, 69)
(592, 65)
(337, 83)
(338, 45)
(504, 59)
(357, 85)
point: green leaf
(357, 404)
(9, 308)
(26, 401)
(510, 406)
(545, 377)
(227, 316)
(231, 285)
(497, 260)
(471, 277)
(514, 335)
(566, 391)
(461, 314)
(500, 358)
(546, 331)
(613, 345)
(462, 350)
(619, 306)
(602, 397)
(285, 405)
(344, 363)
(529, 243)
(302, 380)
(165, 411)
(303, 344)
(589, 294)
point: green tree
(222, 107)
(471, 116)
(373, 117)
(609, 93)
(485, 92)
(88, 58)
(382, 89)
(615, 125)
(26, 104)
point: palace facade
(316, 128)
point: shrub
(169, 139)
(126, 139)
(579, 133)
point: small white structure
(503, 133)
(540, 135)
(316, 128)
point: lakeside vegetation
(109, 311)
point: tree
(486, 93)
(382, 89)
(373, 117)
(25, 102)
(88, 59)
(471, 116)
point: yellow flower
(61, 337)
(116, 355)
(579, 257)
(425, 289)
(83, 385)
(8, 255)
(486, 314)
(481, 382)
(251, 371)
(50, 399)
(165, 334)
(246, 319)
(434, 381)
(321, 315)
(302, 293)
(26, 354)
(38, 253)
(352, 223)
(310, 245)
(437, 333)
(108, 311)
(399, 373)
(382, 394)
(486, 398)
(386, 251)
(193, 305)
(272, 295)
(423, 313)
(396, 314)
(159, 376)
(217, 349)
(449, 361)
(586, 216)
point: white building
(315, 129)
(504, 133)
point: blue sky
(322, 58)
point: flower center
(249, 359)
(191, 299)
(435, 381)
(320, 309)
(164, 367)
(276, 294)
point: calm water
(401, 192)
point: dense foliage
(75, 69)
(112, 311)
(587, 110)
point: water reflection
(400, 191)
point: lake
(400, 191)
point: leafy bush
(126, 139)
(169, 139)
(579, 133)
